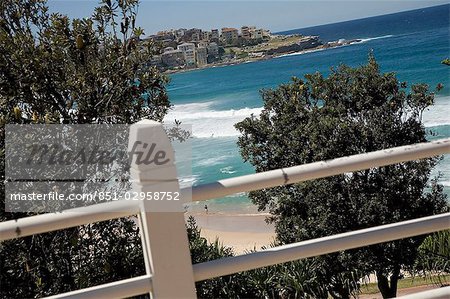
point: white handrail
(325, 245)
(320, 169)
(79, 216)
(140, 285)
(74, 217)
(119, 289)
(441, 293)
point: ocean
(411, 44)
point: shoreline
(217, 65)
(267, 57)
(241, 232)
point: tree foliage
(54, 69)
(298, 279)
(434, 256)
(352, 111)
(57, 70)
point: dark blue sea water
(411, 44)
(414, 21)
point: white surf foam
(227, 170)
(445, 183)
(188, 181)
(301, 52)
(212, 161)
(368, 39)
(171, 88)
(439, 113)
(209, 123)
(361, 40)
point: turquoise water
(412, 44)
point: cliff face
(302, 44)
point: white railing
(441, 293)
(169, 271)
(315, 247)
(120, 289)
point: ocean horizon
(411, 44)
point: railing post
(165, 242)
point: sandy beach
(242, 232)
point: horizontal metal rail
(141, 285)
(79, 216)
(441, 293)
(318, 170)
(316, 247)
(119, 289)
(74, 217)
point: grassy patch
(274, 43)
(371, 288)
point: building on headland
(189, 57)
(186, 46)
(206, 35)
(215, 35)
(188, 50)
(196, 36)
(193, 34)
(156, 61)
(256, 54)
(266, 33)
(202, 43)
(172, 58)
(165, 35)
(256, 34)
(250, 32)
(213, 52)
(179, 33)
(201, 56)
(230, 35)
(245, 32)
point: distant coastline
(321, 47)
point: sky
(274, 15)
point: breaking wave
(207, 123)
(439, 113)
(368, 39)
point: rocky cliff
(303, 44)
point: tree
(203, 251)
(298, 279)
(352, 111)
(434, 257)
(57, 70)
(77, 71)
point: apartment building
(172, 58)
(201, 56)
(230, 34)
(188, 50)
(213, 50)
(215, 34)
(257, 33)
(245, 32)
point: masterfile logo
(56, 167)
(56, 154)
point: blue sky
(274, 15)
